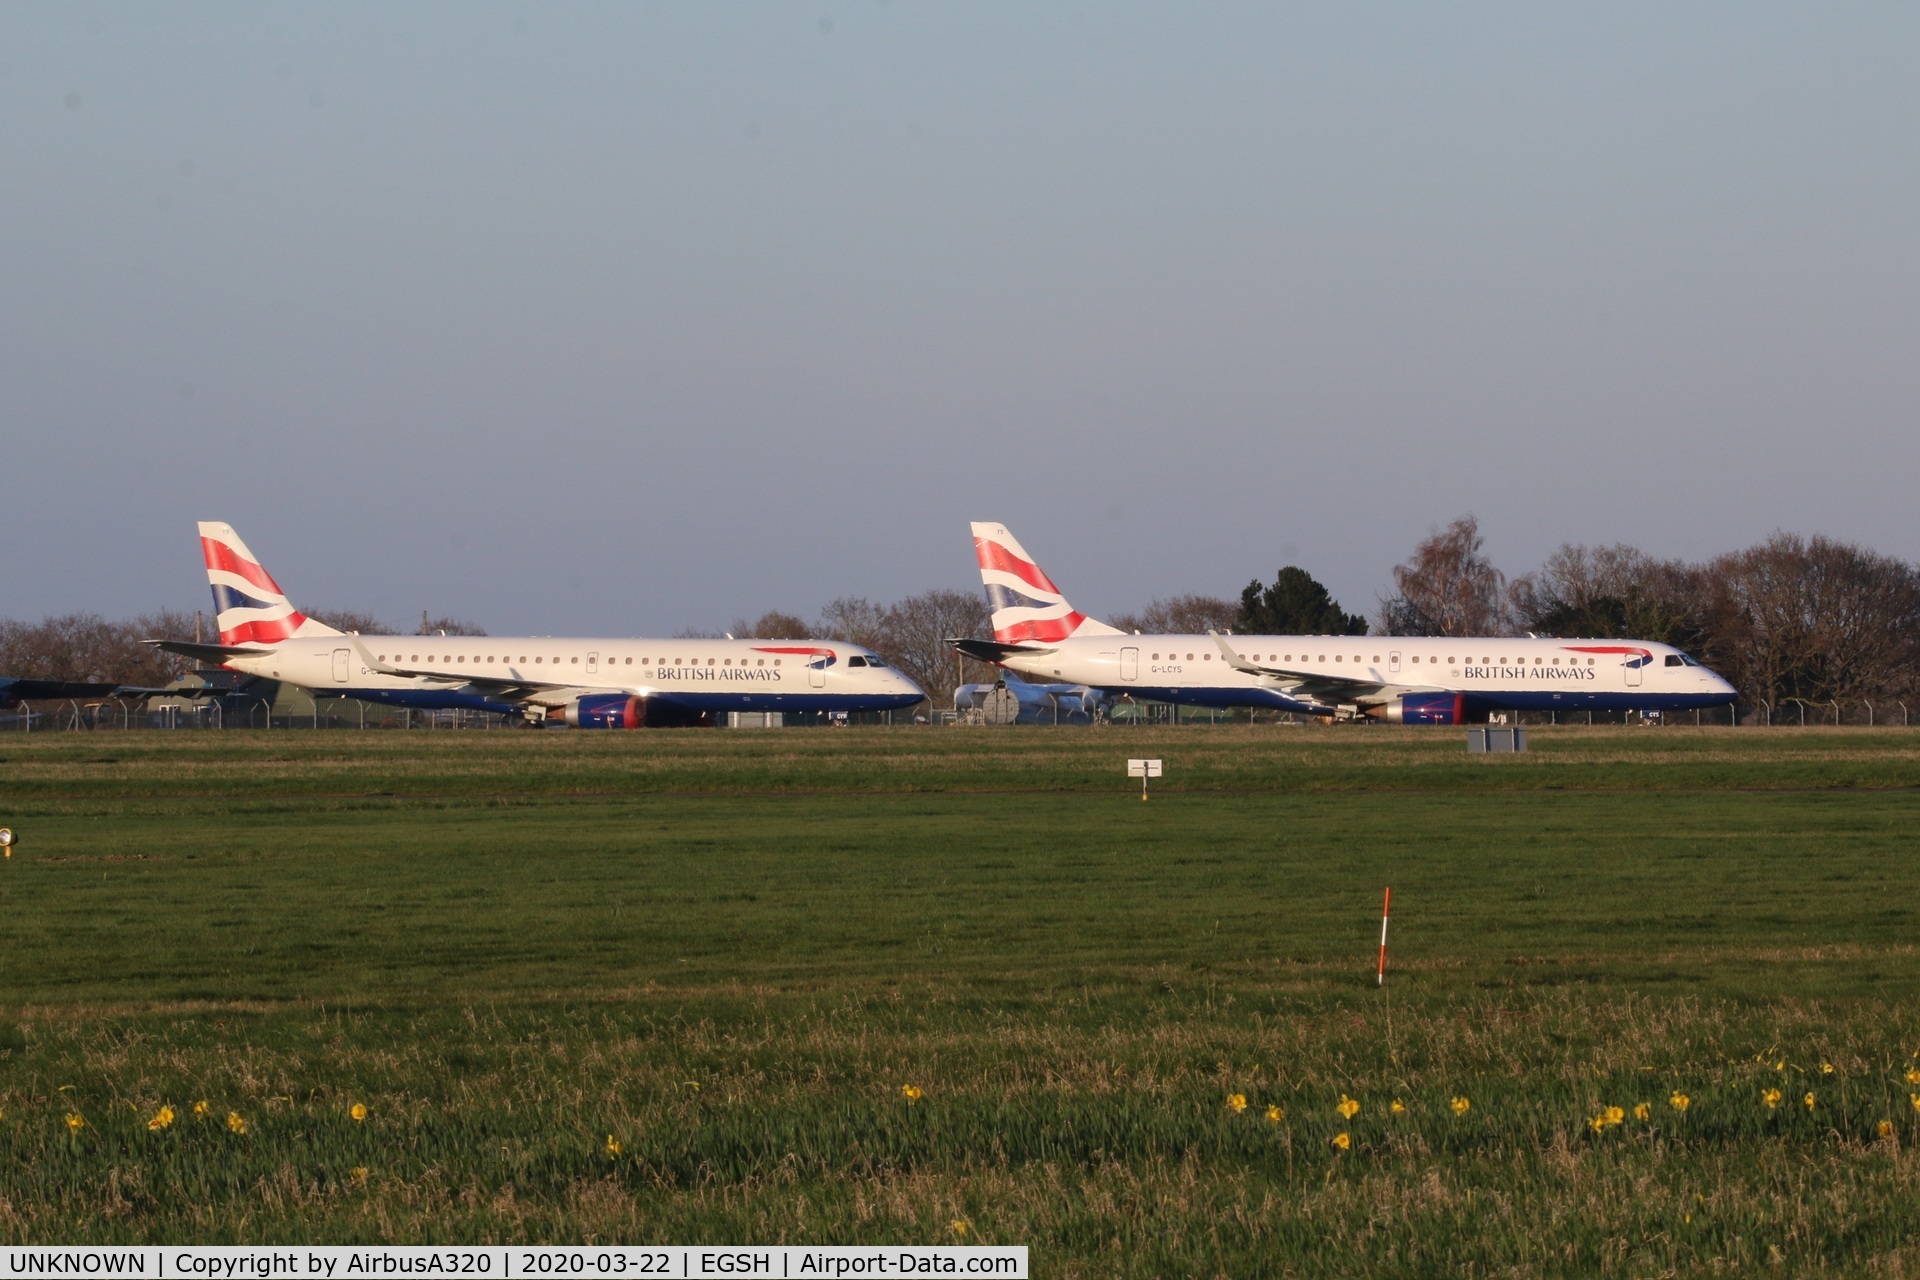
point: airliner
(1397, 679)
(588, 683)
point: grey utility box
(1494, 738)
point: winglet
(1234, 660)
(380, 668)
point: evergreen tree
(1295, 605)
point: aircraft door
(342, 665)
(1633, 671)
(817, 672)
(1129, 664)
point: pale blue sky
(619, 319)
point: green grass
(729, 952)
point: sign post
(1143, 769)
(1385, 904)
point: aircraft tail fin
(248, 604)
(1026, 605)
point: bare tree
(1616, 591)
(1448, 588)
(771, 625)
(360, 621)
(1188, 614)
(431, 626)
(917, 630)
(856, 620)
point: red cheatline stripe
(1040, 629)
(1608, 648)
(994, 556)
(824, 653)
(221, 556)
(263, 632)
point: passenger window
(709, 661)
(1189, 657)
(761, 663)
(576, 661)
(1156, 657)
(776, 662)
(1206, 657)
(1338, 658)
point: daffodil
(1913, 1075)
(1679, 1101)
(75, 1122)
(1236, 1102)
(1643, 1111)
(959, 1226)
(911, 1092)
(1460, 1106)
(236, 1122)
(1348, 1108)
(1397, 1107)
(1914, 1098)
(1771, 1097)
(1808, 1100)
(161, 1119)
(1275, 1115)
(360, 1173)
(1826, 1068)
(613, 1147)
(1884, 1129)
(201, 1109)
(1342, 1141)
(1597, 1122)
(359, 1112)
(1616, 1115)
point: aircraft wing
(505, 688)
(1309, 686)
(14, 692)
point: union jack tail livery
(1027, 607)
(250, 606)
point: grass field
(677, 986)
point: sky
(622, 319)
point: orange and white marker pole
(1385, 907)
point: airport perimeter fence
(296, 710)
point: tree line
(1793, 617)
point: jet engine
(622, 711)
(1422, 708)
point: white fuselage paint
(1523, 674)
(708, 674)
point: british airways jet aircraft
(1399, 679)
(598, 684)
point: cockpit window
(856, 661)
(1673, 660)
(874, 661)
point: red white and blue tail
(249, 605)
(1027, 607)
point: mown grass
(727, 954)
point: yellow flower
(201, 1109)
(1826, 1068)
(1913, 1075)
(1460, 1106)
(1771, 1097)
(613, 1146)
(1643, 1111)
(1914, 1098)
(959, 1226)
(1342, 1141)
(75, 1122)
(161, 1119)
(236, 1122)
(1275, 1115)
(1780, 1065)
(1236, 1102)
(1348, 1108)
(1884, 1129)
(360, 1173)
(1616, 1115)
(1597, 1122)
(1397, 1107)
(359, 1112)
(1679, 1101)
(1808, 1100)
(911, 1092)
